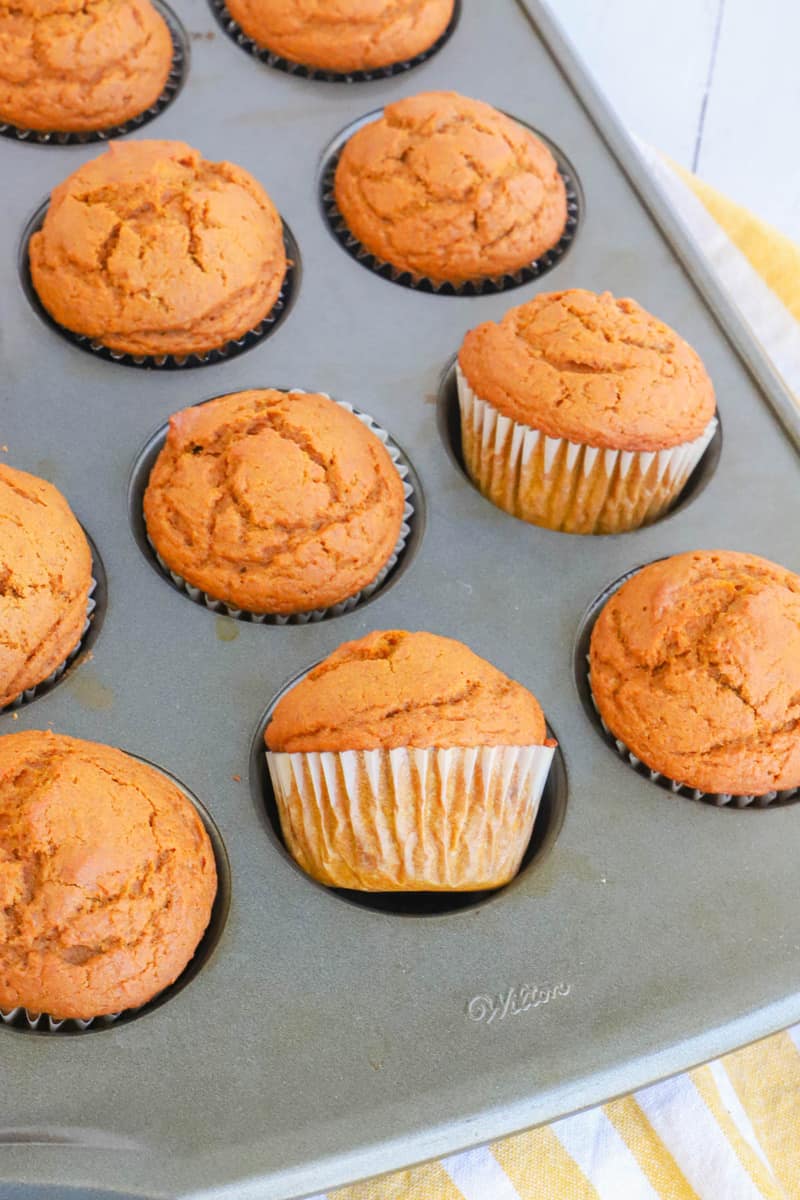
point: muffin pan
(324, 1040)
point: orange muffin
(107, 878)
(695, 667)
(80, 65)
(581, 412)
(350, 35)
(450, 190)
(274, 502)
(45, 581)
(404, 762)
(152, 250)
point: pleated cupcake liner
(483, 286)
(718, 799)
(289, 67)
(566, 485)
(427, 820)
(334, 610)
(173, 85)
(23, 1018)
(31, 693)
(170, 362)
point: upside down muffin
(45, 581)
(151, 250)
(695, 667)
(274, 502)
(582, 412)
(450, 190)
(80, 65)
(107, 878)
(404, 762)
(343, 35)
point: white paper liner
(566, 485)
(719, 799)
(31, 692)
(23, 1018)
(456, 819)
(344, 606)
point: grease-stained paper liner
(483, 286)
(174, 82)
(31, 692)
(719, 799)
(456, 819)
(569, 486)
(22, 1018)
(240, 38)
(344, 606)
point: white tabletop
(715, 84)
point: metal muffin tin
(323, 1041)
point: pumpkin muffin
(404, 762)
(45, 581)
(350, 35)
(581, 412)
(450, 190)
(152, 250)
(107, 878)
(695, 667)
(80, 65)
(274, 502)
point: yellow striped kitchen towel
(729, 1130)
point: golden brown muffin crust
(107, 877)
(393, 689)
(72, 65)
(45, 578)
(151, 249)
(274, 502)
(695, 666)
(592, 369)
(450, 189)
(344, 35)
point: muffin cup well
(22, 1018)
(30, 693)
(456, 819)
(334, 610)
(167, 362)
(290, 67)
(718, 799)
(174, 83)
(483, 286)
(568, 486)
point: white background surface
(715, 84)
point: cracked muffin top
(80, 65)
(592, 369)
(107, 877)
(396, 689)
(695, 666)
(276, 502)
(151, 250)
(45, 580)
(344, 35)
(450, 189)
